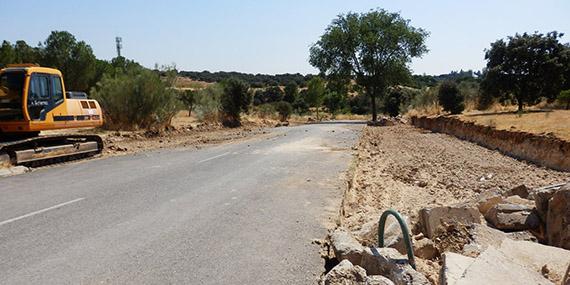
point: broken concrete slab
(368, 233)
(345, 273)
(390, 263)
(521, 191)
(425, 248)
(512, 217)
(493, 267)
(542, 196)
(378, 280)
(535, 256)
(522, 236)
(558, 218)
(515, 199)
(345, 246)
(488, 199)
(482, 236)
(433, 219)
(566, 279)
(454, 265)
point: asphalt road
(238, 213)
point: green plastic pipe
(405, 232)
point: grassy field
(556, 122)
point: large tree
(7, 54)
(374, 48)
(74, 59)
(527, 66)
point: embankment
(547, 151)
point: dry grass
(555, 122)
(187, 83)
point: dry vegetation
(548, 122)
(188, 83)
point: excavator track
(44, 150)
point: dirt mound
(407, 169)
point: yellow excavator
(33, 99)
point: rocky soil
(409, 169)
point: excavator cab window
(57, 89)
(38, 96)
(11, 90)
(45, 93)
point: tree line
(374, 49)
(254, 80)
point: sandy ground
(550, 122)
(406, 168)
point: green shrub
(360, 104)
(265, 110)
(564, 98)
(450, 98)
(300, 105)
(188, 99)
(335, 101)
(207, 103)
(138, 99)
(284, 109)
(425, 100)
(235, 100)
(392, 102)
(268, 95)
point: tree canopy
(235, 99)
(374, 48)
(315, 93)
(527, 66)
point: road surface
(238, 213)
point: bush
(469, 89)
(188, 99)
(450, 98)
(268, 95)
(265, 110)
(335, 101)
(425, 101)
(284, 109)
(138, 99)
(207, 103)
(392, 102)
(291, 92)
(360, 104)
(235, 99)
(564, 98)
(300, 105)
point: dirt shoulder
(185, 132)
(407, 169)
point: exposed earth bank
(407, 169)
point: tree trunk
(568, 104)
(372, 92)
(317, 113)
(520, 105)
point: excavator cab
(11, 95)
(33, 99)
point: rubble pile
(519, 237)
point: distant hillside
(265, 80)
(255, 80)
(432, 80)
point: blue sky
(271, 36)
